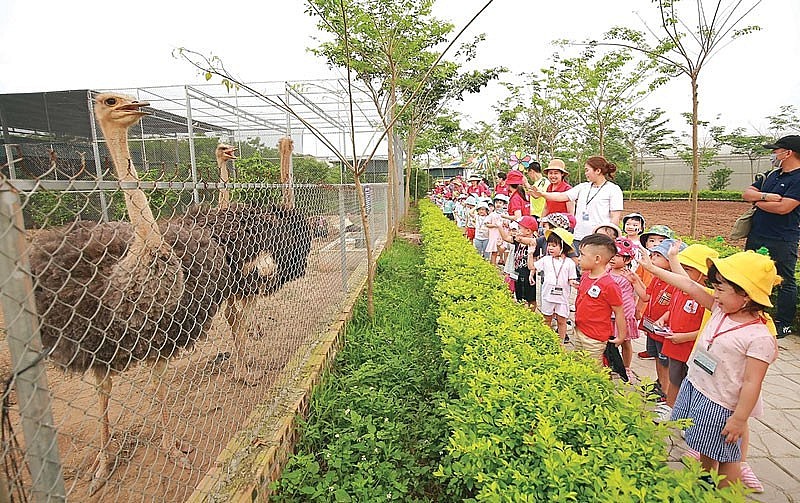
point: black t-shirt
(771, 225)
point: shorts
(523, 289)
(583, 342)
(708, 420)
(677, 372)
(654, 349)
(550, 308)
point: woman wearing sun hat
(556, 172)
(722, 388)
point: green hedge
(668, 195)
(530, 422)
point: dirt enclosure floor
(206, 405)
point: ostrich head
(118, 110)
(225, 152)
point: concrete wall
(674, 174)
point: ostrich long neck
(141, 216)
(224, 195)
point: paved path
(775, 436)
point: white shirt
(593, 205)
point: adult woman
(518, 205)
(597, 200)
(556, 173)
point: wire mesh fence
(148, 307)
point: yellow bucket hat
(755, 273)
(696, 255)
(564, 234)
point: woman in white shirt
(597, 201)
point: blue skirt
(708, 420)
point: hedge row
(669, 195)
(530, 422)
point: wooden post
(285, 147)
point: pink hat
(515, 177)
(529, 223)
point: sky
(92, 44)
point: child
(481, 230)
(722, 388)
(620, 265)
(650, 240)
(449, 207)
(633, 227)
(608, 229)
(470, 203)
(495, 245)
(460, 212)
(524, 290)
(559, 271)
(598, 298)
(683, 317)
(657, 296)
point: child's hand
(680, 337)
(734, 429)
(629, 275)
(532, 278)
(574, 283)
(617, 341)
(674, 249)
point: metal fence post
(342, 242)
(192, 155)
(25, 347)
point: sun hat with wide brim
(754, 273)
(556, 165)
(664, 246)
(501, 197)
(566, 236)
(696, 256)
(657, 230)
(609, 225)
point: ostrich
(266, 246)
(111, 295)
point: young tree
(645, 133)
(684, 41)
(751, 146)
(784, 122)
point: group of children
(711, 346)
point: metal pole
(342, 244)
(290, 180)
(192, 159)
(12, 168)
(25, 347)
(98, 165)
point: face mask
(773, 159)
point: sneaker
(750, 480)
(663, 413)
(644, 355)
(783, 330)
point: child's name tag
(593, 292)
(705, 361)
(556, 290)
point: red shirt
(660, 296)
(685, 315)
(501, 188)
(593, 312)
(557, 206)
(517, 202)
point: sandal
(749, 478)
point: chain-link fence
(148, 318)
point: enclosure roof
(65, 114)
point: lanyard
(553, 264)
(589, 193)
(717, 333)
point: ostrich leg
(238, 312)
(173, 448)
(101, 464)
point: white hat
(501, 197)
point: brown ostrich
(266, 246)
(111, 295)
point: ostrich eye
(111, 101)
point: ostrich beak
(135, 107)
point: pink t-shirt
(730, 350)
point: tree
(751, 146)
(602, 90)
(682, 44)
(784, 122)
(645, 133)
(387, 41)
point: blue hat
(664, 246)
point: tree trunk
(411, 140)
(695, 160)
(391, 200)
(602, 138)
